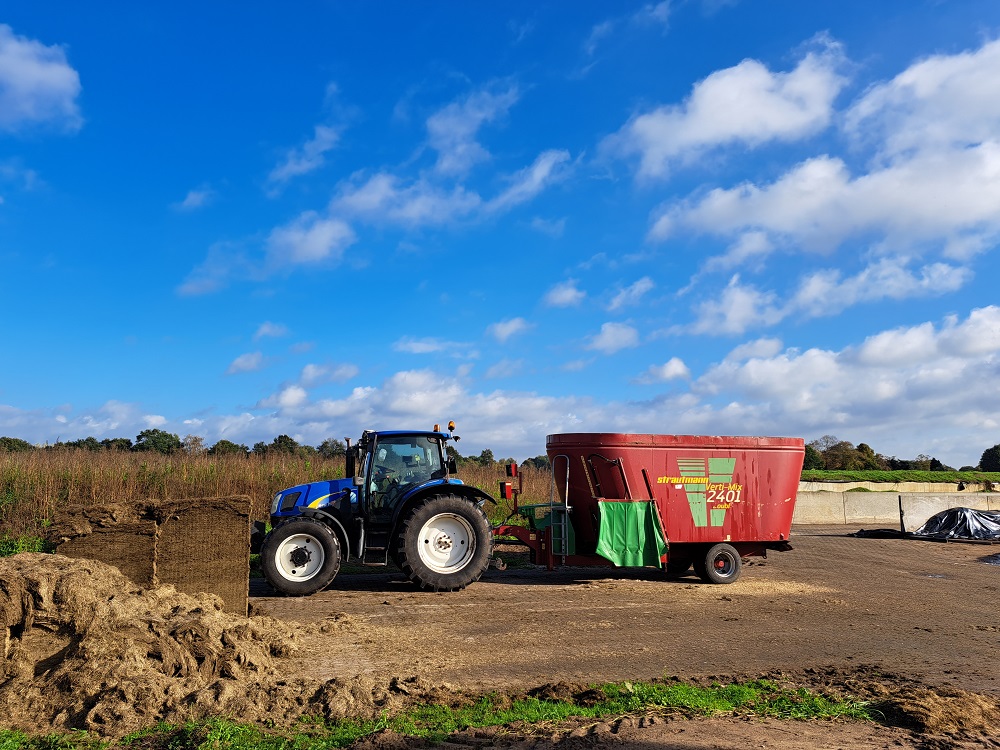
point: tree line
(825, 453)
(831, 453)
(167, 443)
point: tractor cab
(388, 467)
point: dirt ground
(888, 613)
(912, 626)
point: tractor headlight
(275, 503)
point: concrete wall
(946, 487)
(882, 508)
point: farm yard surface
(878, 616)
(910, 625)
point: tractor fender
(472, 494)
(334, 523)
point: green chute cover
(630, 534)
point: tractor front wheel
(445, 544)
(301, 556)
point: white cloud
(288, 397)
(736, 309)
(308, 157)
(225, 260)
(37, 85)
(763, 347)
(249, 362)
(656, 14)
(551, 227)
(452, 130)
(933, 186)
(384, 197)
(564, 294)
(530, 181)
(673, 369)
(943, 102)
(267, 329)
(912, 377)
(614, 337)
(521, 31)
(576, 365)
(597, 33)
(154, 420)
(12, 172)
(977, 336)
(310, 238)
(902, 346)
(741, 307)
(748, 248)
(196, 199)
(313, 374)
(746, 104)
(631, 294)
(430, 345)
(651, 14)
(825, 292)
(505, 368)
(941, 199)
(505, 329)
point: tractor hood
(337, 492)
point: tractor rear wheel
(720, 564)
(445, 544)
(301, 556)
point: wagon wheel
(720, 564)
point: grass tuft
(763, 698)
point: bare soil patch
(910, 624)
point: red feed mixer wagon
(668, 501)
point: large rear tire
(445, 544)
(720, 564)
(300, 557)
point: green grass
(762, 698)
(12, 545)
(973, 477)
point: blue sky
(708, 217)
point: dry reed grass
(34, 484)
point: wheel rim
(299, 557)
(724, 565)
(446, 543)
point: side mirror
(350, 461)
(452, 466)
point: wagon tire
(445, 544)
(678, 566)
(301, 556)
(720, 564)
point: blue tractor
(399, 502)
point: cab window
(402, 461)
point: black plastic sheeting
(962, 523)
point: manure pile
(86, 648)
